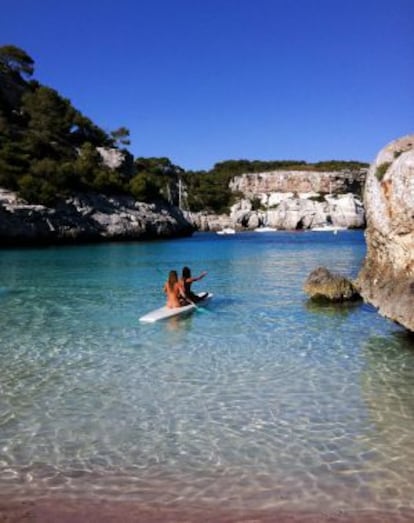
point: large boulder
(387, 276)
(294, 213)
(206, 222)
(346, 211)
(323, 285)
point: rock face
(255, 185)
(112, 158)
(387, 277)
(321, 284)
(209, 222)
(290, 200)
(342, 211)
(87, 218)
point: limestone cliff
(387, 277)
(87, 218)
(258, 185)
(290, 200)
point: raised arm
(197, 278)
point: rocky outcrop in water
(387, 277)
(323, 285)
(87, 218)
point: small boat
(328, 228)
(167, 312)
(227, 230)
(265, 229)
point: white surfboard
(167, 312)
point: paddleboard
(166, 312)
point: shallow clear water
(261, 401)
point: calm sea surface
(261, 401)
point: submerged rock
(323, 285)
(386, 279)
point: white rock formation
(292, 200)
(292, 213)
(112, 158)
(387, 277)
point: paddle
(192, 303)
(200, 309)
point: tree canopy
(15, 60)
(48, 148)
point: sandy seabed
(61, 510)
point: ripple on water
(264, 401)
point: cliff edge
(88, 217)
(387, 276)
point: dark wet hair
(186, 272)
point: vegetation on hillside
(49, 149)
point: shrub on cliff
(381, 170)
(143, 187)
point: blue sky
(201, 81)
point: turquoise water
(261, 401)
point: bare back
(173, 295)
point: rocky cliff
(263, 185)
(87, 218)
(293, 213)
(94, 217)
(387, 277)
(290, 200)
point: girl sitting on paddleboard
(174, 291)
(186, 281)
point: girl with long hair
(174, 291)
